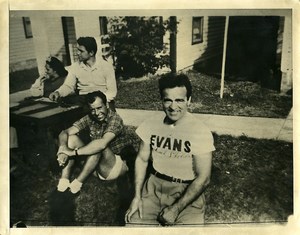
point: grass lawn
(252, 181)
(240, 98)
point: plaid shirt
(113, 123)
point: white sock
(75, 186)
(63, 184)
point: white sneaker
(75, 186)
(63, 184)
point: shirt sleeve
(82, 123)
(111, 83)
(202, 141)
(37, 83)
(37, 88)
(143, 132)
(115, 125)
(69, 86)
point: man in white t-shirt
(179, 147)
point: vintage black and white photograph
(150, 118)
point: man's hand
(136, 205)
(168, 215)
(63, 154)
(62, 159)
(54, 96)
(66, 150)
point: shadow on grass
(252, 181)
(62, 208)
(22, 80)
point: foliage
(138, 44)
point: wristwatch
(76, 151)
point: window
(27, 27)
(103, 25)
(197, 30)
(69, 31)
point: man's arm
(141, 164)
(202, 166)
(96, 146)
(111, 83)
(67, 88)
(91, 150)
(63, 144)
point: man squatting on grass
(109, 137)
(180, 148)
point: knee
(74, 142)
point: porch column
(286, 58)
(40, 41)
(173, 43)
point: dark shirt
(52, 85)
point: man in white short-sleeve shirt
(179, 147)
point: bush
(138, 45)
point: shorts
(158, 194)
(115, 171)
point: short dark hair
(89, 43)
(91, 97)
(57, 66)
(171, 80)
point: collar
(181, 120)
(86, 67)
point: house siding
(56, 37)
(21, 49)
(212, 46)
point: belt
(169, 178)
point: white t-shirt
(173, 146)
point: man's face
(98, 109)
(175, 103)
(83, 54)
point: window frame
(199, 26)
(27, 27)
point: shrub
(138, 45)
